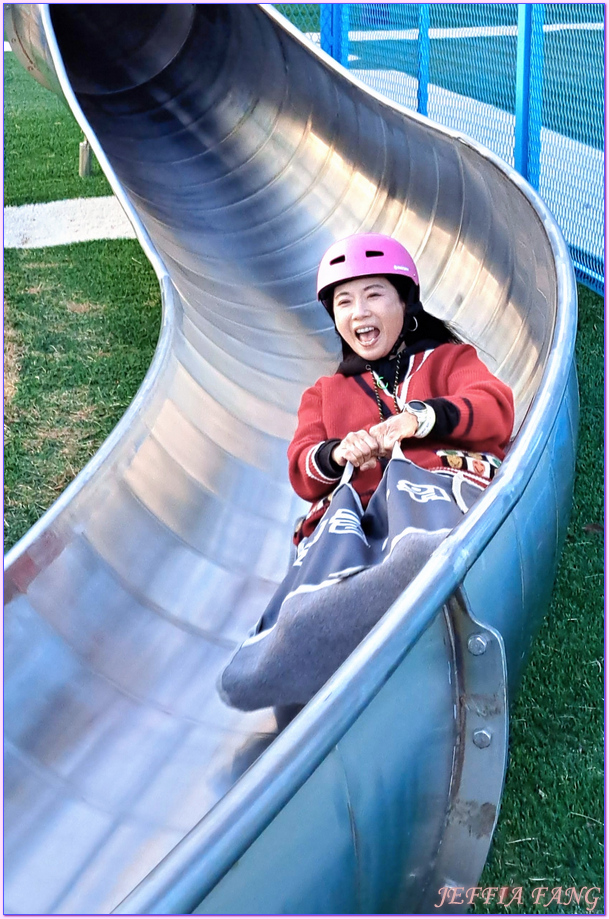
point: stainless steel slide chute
(240, 152)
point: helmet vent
(339, 258)
(372, 253)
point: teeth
(367, 329)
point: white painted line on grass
(462, 32)
(575, 27)
(434, 34)
(7, 46)
(571, 176)
(62, 222)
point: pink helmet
(361, 255)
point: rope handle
(347, 474)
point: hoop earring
(415, 326)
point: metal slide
(239, 152)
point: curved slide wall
(240, 152)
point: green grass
(81, 324)
(80, 327)
(41, 142)
(553, 798)
(304, 15)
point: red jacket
(336, 405)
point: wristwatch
(424, 414)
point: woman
(404, 378)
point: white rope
(347, 474)
(457, 486)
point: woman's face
(369, 315)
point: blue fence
(524, 79)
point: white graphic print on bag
(423, 493)
(345, 522)
(307, 544)
(482, 464)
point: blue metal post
(529, 91)
(536, 88)
(423, 59)
(325, 27)
(334, 29)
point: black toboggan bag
(344, 578)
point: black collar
(353, 364)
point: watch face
(417, 406)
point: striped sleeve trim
(470, 421)
(312, 469)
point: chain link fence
(525, 80)
(305, 16)
(571, 177)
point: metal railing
(524, 79)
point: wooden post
(84, 159)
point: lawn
(41, 144)
(81, 323)
(552, 811)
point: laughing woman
(404, 378)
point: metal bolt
(482, 738)
(477, 644)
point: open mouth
(367, 335)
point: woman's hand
(359, 448)
(393, 430)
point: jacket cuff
(447, 416)
(325, 463)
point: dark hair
(428, 327)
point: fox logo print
(423, 493)
(345, 522)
